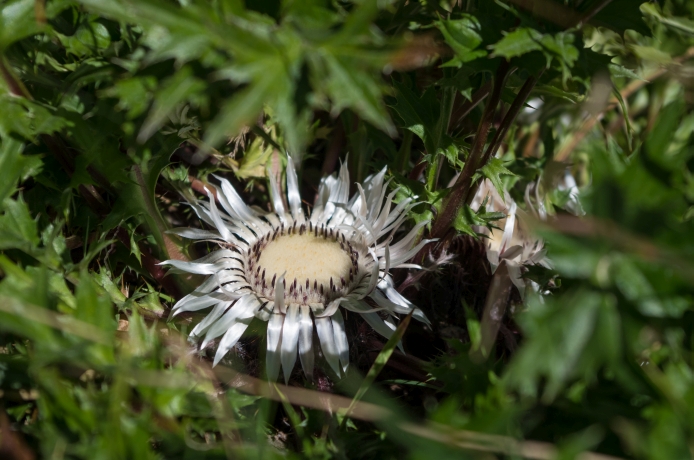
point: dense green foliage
(114, 112)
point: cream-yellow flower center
(305, 257)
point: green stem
(447, 99)
(378, 365)
(430, 172)
(403, 157)
(258, 131)
(14, 84)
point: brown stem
(510, 117)
(456, 199)
(337, 145)
(466, 107)
(506, 123)
(550, 10)
(494, 311)
(418, 168)
(14, 84)
(589, 15)
(12, 446)
(200, 187)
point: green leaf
(652, 53)
(521, 41)
(90, 37)
(245, 106)
(380, 362)
(554, 91)
(134, 94)
(464, 221)
(14, 166)
(349, 86)
(17, 227)
(255, 159)
(176, 90)
(467, 218)
(663, 132)
(625, 114)
(680, 24)
(623, 15)
(493, 171)
(463, 35)
(524, 40)
(560, 331)
(92, 306)
(27, 118)
(17, 21)
(419, 113)
(619, 71)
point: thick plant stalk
(509, 118)
(494, 311)
(478, 157)
(506, 123)
(462, 185)
(466, 107)
(476, 160)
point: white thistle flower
(296, 271)
(513, 242)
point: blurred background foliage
(113, 112)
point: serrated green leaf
(619, 71)
(134, 94)
(419, 114)
(17, 21)
(14, 166)
(92, 306)
(680, 24)
(524, 40)
(661, 136)
(493, 171)
(255, 159)
(245, 106)
(176, 90)
(467, 218)
(17, 226)
(349, 86)
(463, 35)
(27, 118)
(520, 41)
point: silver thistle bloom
(296, 271)
(513, 242)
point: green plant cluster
(113, 113)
